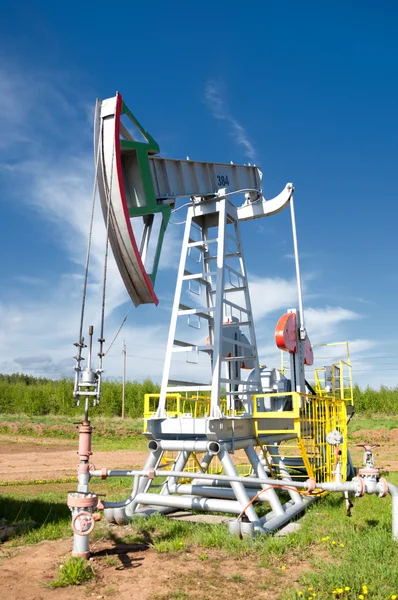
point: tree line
(37, 396)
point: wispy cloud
(54, 181)
(219, 109)
(322, 323)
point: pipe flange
(383, 487)
(83, 523)
(82, 501)
(369, 472)
(104, 473)
(151, 473)
(361, 485)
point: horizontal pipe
(187, 445)
(218, 483)
(237, 478)
(190, 503)
(350, 486)
(207, 491)
(205, 477)
(113, 473)
(278, 521)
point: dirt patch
(26, 460)
(126, 571)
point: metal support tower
(219, 288)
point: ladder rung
(193, 348)
(236, 343)
(237, 324)
(235, 272)
(180, 343)
(232, 289)
(229, 255)
(187, 310)
(203, 243)
(237, 358)
(199, 277)
(233, 305)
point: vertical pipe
(81, 544)
(124, 377)
(219, 310)
(393, 490)
(238, 488)
(144, 483)
(259, 470)
(181, 461)
(297, 262)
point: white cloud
(322, 323)
(269, 294)
(38, 331)
(220, 110)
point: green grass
(376, 422)
(363, 553)
(238, 578)
(48, 510)
(74, 571)
(333, 551)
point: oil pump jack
(293, 437)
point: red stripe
(124, 201)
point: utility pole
(124, 376)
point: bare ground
(126, 571)
(24, 459)
(386, 456)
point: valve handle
(83, 523)
(368, 446)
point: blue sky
(313, 87)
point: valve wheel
(368, 446)
(83, 523)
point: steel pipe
(185, 445)
(208, 491)
(126, 502)
(277, 521)
(190, 503)
(393, 491)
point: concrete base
(196, 518)
(288, 529)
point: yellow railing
(310, 420)
(181, 405)
(340, 382)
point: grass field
(331, 556)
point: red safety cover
(286, 333)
